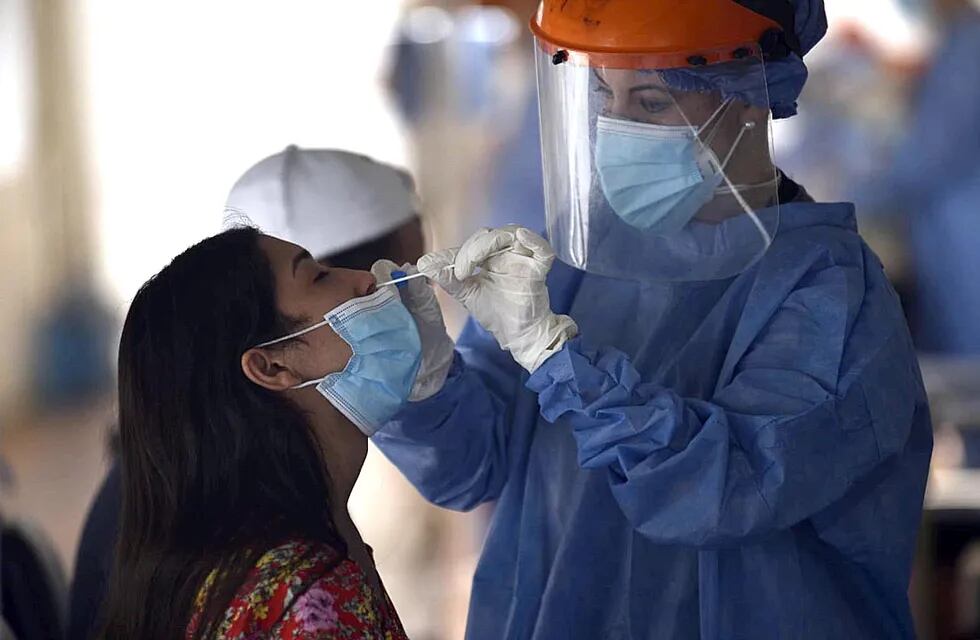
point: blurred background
(123, 126)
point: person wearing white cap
(346, 208)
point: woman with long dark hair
(236, 469)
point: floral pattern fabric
(299, 591)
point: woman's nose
(618, 106)
(364, 283)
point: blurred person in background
(706, 435)
(350, 211)
(515, 193)
(32, 584)
(460, 78)
(935, 182)
(73, 349)
(244, 414)
(932, 187)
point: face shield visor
(657, 166)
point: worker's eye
(651, 105)
(604, 90)
(323, 273)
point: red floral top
(298, 591)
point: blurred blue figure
(445, 64)
(516, 190)
(724, 433)
(73, 353)
(936, 181)
(452, 67)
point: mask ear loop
(308, 383)
(719, 114)
(767, 237)
(296, 334)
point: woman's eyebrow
(299, 257)
(649, 87)
(637, 88)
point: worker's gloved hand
(437, 347)
(505, 293)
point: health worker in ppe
(706, 419)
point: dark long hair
(215, 469)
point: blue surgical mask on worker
(656, 177)
(386, 356)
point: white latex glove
(505, 293)
(437, 347)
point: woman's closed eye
(323, 273)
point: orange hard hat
(662, 33)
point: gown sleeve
(453, 447)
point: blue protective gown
(734, 459)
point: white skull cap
(325, 200)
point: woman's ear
(268, 369)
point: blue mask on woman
(655, 177)
(387, 352)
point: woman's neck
(343, 446)
(344, 449)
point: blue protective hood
(784, 77)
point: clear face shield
(657, 173)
